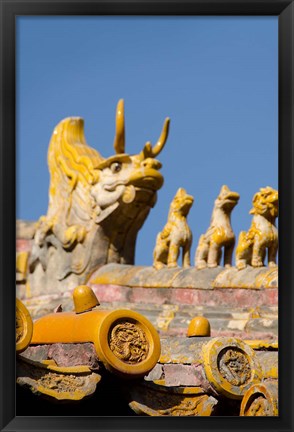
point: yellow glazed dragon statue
(96, 205)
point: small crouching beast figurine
(219, 234)
(176, 234)
(262, 234)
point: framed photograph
(214, 81)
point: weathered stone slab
(56, 383)
(187, 311)
(155, 374)
(233, 297)
(182, 350)
(64, 355)
(269, 279)
(36, 353)
(193, 278)
(262, 324)
(146, 398)
(74, 355)
(205, 279)
(115, 274)
(134, 276)
(181, 375)
(149, 277)
(269, 361)
(250, 277)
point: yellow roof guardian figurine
(263, 233)
(176, 234)
(219, 234)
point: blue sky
(215, 77)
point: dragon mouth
(275, 202)
(146, 179)
(234, 196)
(231, 198)
(230, 202)
(187, 205)
(189, 200)
(275, 208)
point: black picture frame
(284, 9)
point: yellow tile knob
(84, 299)
(124, 340)
(199, 326)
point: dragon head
(227, 199)
(123, 176)
(181, 203)
(266, 203)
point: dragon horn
(119, 139)
(162, 139)
(152, 152)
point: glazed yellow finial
(199, 326)
(84, 299)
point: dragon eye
(115, 167)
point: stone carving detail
(230, 366)
(261, 400)
(259, 407)
(234, 367)
(60, 384)
(96, 205)
(189, 406)
(170, 401)
(176, 234)
(263, 234)
(128, 342)
(219, 234)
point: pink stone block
(185, 296)
(233, 297)
(111, 293)
(181, 375)
(150, 295)
(73, 354)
